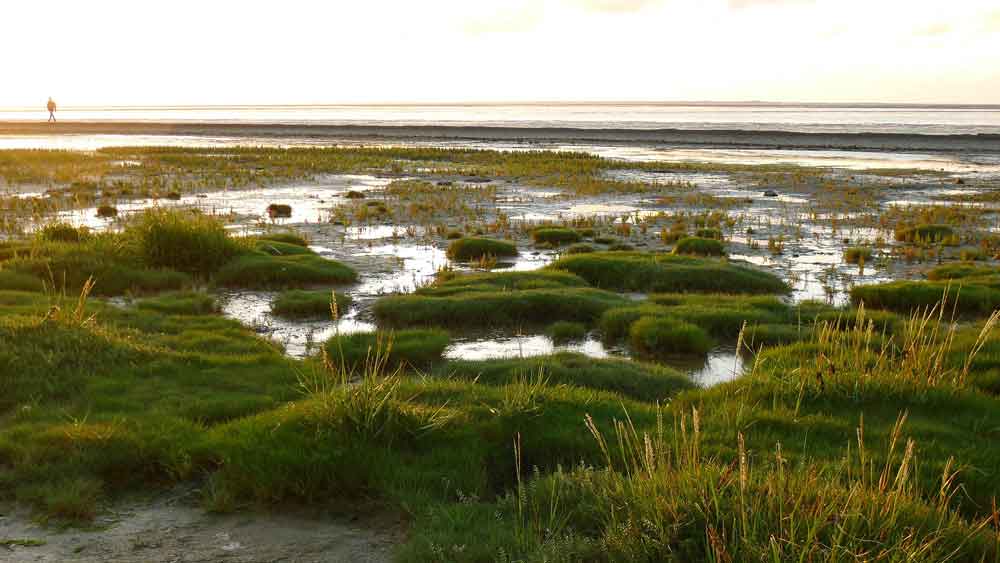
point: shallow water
(844, 159)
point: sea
(743, 116)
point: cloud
(741, 4)
(519, 19)
(935, 29)
(991, 21)
(615, 5)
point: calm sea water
(910, 119)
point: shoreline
(777, 140)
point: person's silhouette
(52, 109)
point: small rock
(770, 193)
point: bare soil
(172, 529)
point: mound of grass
(961, 270)
(697, 246)
(399, 349)
(720, 315)
(636, 380)
(858, 255)
(630, 271)
(771, 334)
(256, 270)
(185, 241)
(182, 303)
(450, 283)
(926, 234)
(580, 249)
(69, 271)
(708, 233)
(555, 236)
(63, 232)
(659, 337)
(907, 296)
(496, 308)
(276, 248)
(287, 237)
(299, 303)
(469, 249)
(16, 281)
(564, 331)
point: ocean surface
(805, 118)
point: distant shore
(387, 133)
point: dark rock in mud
(770, 193)
(279, 210)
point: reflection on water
(720, 365)
(522, 346)
(299, 337)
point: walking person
(51, 106)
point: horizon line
(486, 103)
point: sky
(185, 52)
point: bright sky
(123, 52)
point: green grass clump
(469, 249)
(257, 270)
(697, 246)
(188, 242)
(496, 308)
(555, 235)
(451, 283)
(961, 270)
(720, 315)
(632, 271)
(709, 233)
(399, 349)
(581, 248)
(183, 303)
(287, 237)
(906, 296)
(65, 270)
(16, 281)
(635, 380)
(772, 334)
(925, 234)
(63, 232)
(275, 248)
(659, 337)
(298, 303)
(564, 331)
(858, 255)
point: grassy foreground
(837, 448)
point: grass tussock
(556, 236)
(403, 349)
(193, 243)
(320, 303)
(699, 246)
(632, 271)
(263, 270)
(470, 249)
(636, 380)
(973, 296)
(663, 337)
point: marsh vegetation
(861, 425)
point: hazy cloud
(991, 22)
(615, 5)
(740, 4)
(935, 29)
(521, 18)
